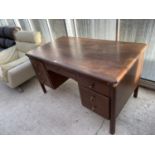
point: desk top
(102, 59)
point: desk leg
(112, 112)
(43, 87)
(136, 92)
(112, 121)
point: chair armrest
(20, 74)
(6, 67)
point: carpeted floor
(60, 112)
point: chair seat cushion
(21, 54)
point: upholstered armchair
(15, 67)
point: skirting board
(147, 84)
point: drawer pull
(93, 108)
(92, 98)
(92, 85)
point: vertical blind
(58, 28)
(25, 24)
(142, 30)
(41, 25)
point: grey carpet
(60, 112)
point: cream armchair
(15, 67)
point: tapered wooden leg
(112, 125)
(112, 118)
(112, 112)
(43, 87)
(136, 92)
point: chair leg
(20, 89)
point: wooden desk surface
(105, 60)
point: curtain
(141, 30)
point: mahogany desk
(107, 72)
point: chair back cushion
(28, 36)
(26, 41)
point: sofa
(15, 67)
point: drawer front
(95, 102)
(41, 72)
(94, 85)
(61, 71)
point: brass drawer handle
(93, 108)
(92, 85)
(92, 98)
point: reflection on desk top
(103, 59)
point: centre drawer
(95, 102)
(60, 70)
